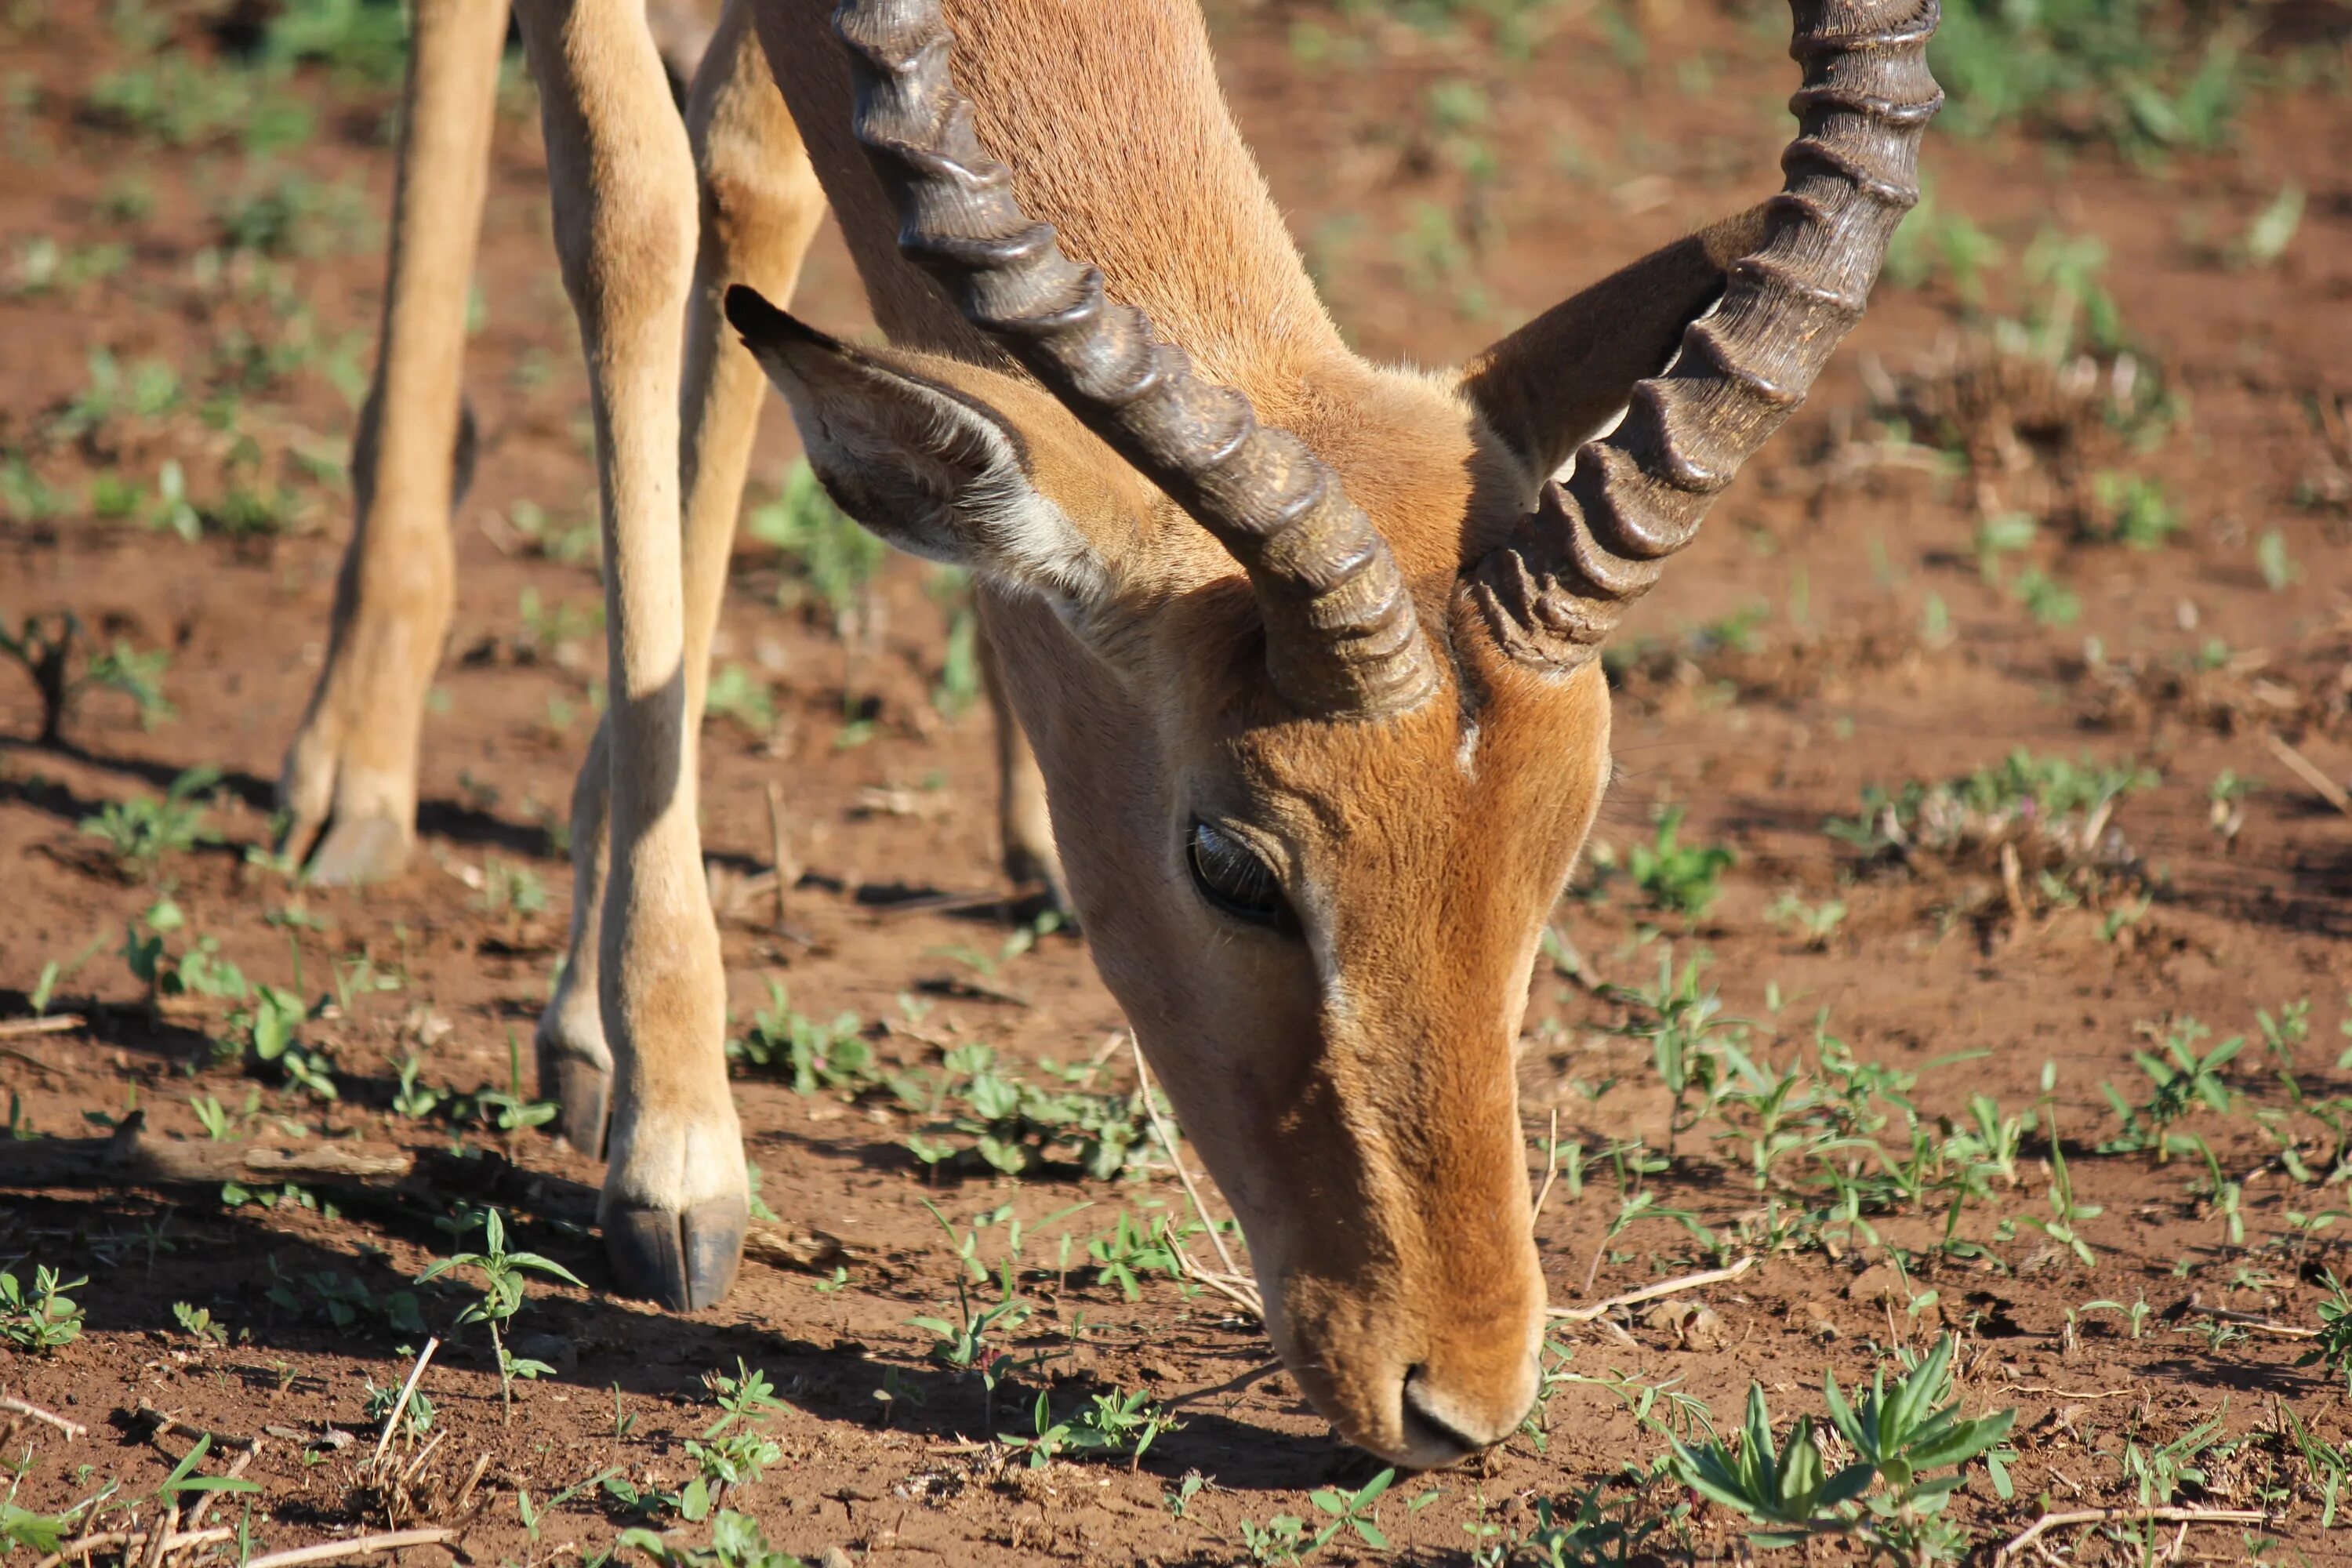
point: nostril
(1427, 1420)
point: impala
(1306, 646)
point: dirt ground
(1866, 610)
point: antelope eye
(1233, 878)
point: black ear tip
(748, 310)
(750, 313)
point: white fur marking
(1466, 756)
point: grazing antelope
(1306, 646)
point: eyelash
(1218, 861)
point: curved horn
(1343, 637)
(1557, 587)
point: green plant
(415, 1416)
(143, 833)
(1129, 1246)
(509, 1109)
(2113, 67)
(1887, 1495)
(726, 1459)
(2181, 1080)
(1686, 1030)
(2279, 570)
(2135, 1316)
(45, 647)
(1285, 1538)
(736, 693)
(2330, 1466)
(736, 1542)
(43, 1319)
(2061, 810)
(2332, 1349)
(2273, 230)
(831, 1056)
(2135, 508)
(511, 888)
(1016, 1125)
(1678, 878)
(2066, 1214)
(198, 1324)
(826, 554)
(1817, 923)
(185, 1480)
(1118, 1423)
(503, 1288)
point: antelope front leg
(352, 768)
(675, 1202)
(760, 206)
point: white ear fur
(926, 467)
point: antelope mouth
(1434, 1435)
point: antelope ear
(922, 452)
(1565, 376)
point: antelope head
(1317, 699)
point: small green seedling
(1885, 1495)
(502, 1295)
(1118, 1423)
(43, 1319)
(198, 1324)
(736, 1542)
(143, 833)
(2333, 1347)
(1679, 878)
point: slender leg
(675, 1202)
(354, 762)
(760, 206)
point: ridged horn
(1343, 637)
(1555, 590)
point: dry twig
(2254, 1320)
(72, 1429)
(1649, 1292)
(51, 1024)
(1232, 1284)
(204, 1503)
(2181, 1516)
(1551, 1167)
(358, 1546)
(109, 1540)
(400, 1404)
(164, 1425)
(2303, 768)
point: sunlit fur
(1349, 1083)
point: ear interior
(918, 451)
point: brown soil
(1938, 968)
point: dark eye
(1233, 878)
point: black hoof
(683, 1262)
(363, 849)
(584, 1093)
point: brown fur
(1349, 1084)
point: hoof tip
(363, 849)
(681, 1261)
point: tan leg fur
(675, 1202)
(354, 762)
(760, 207)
